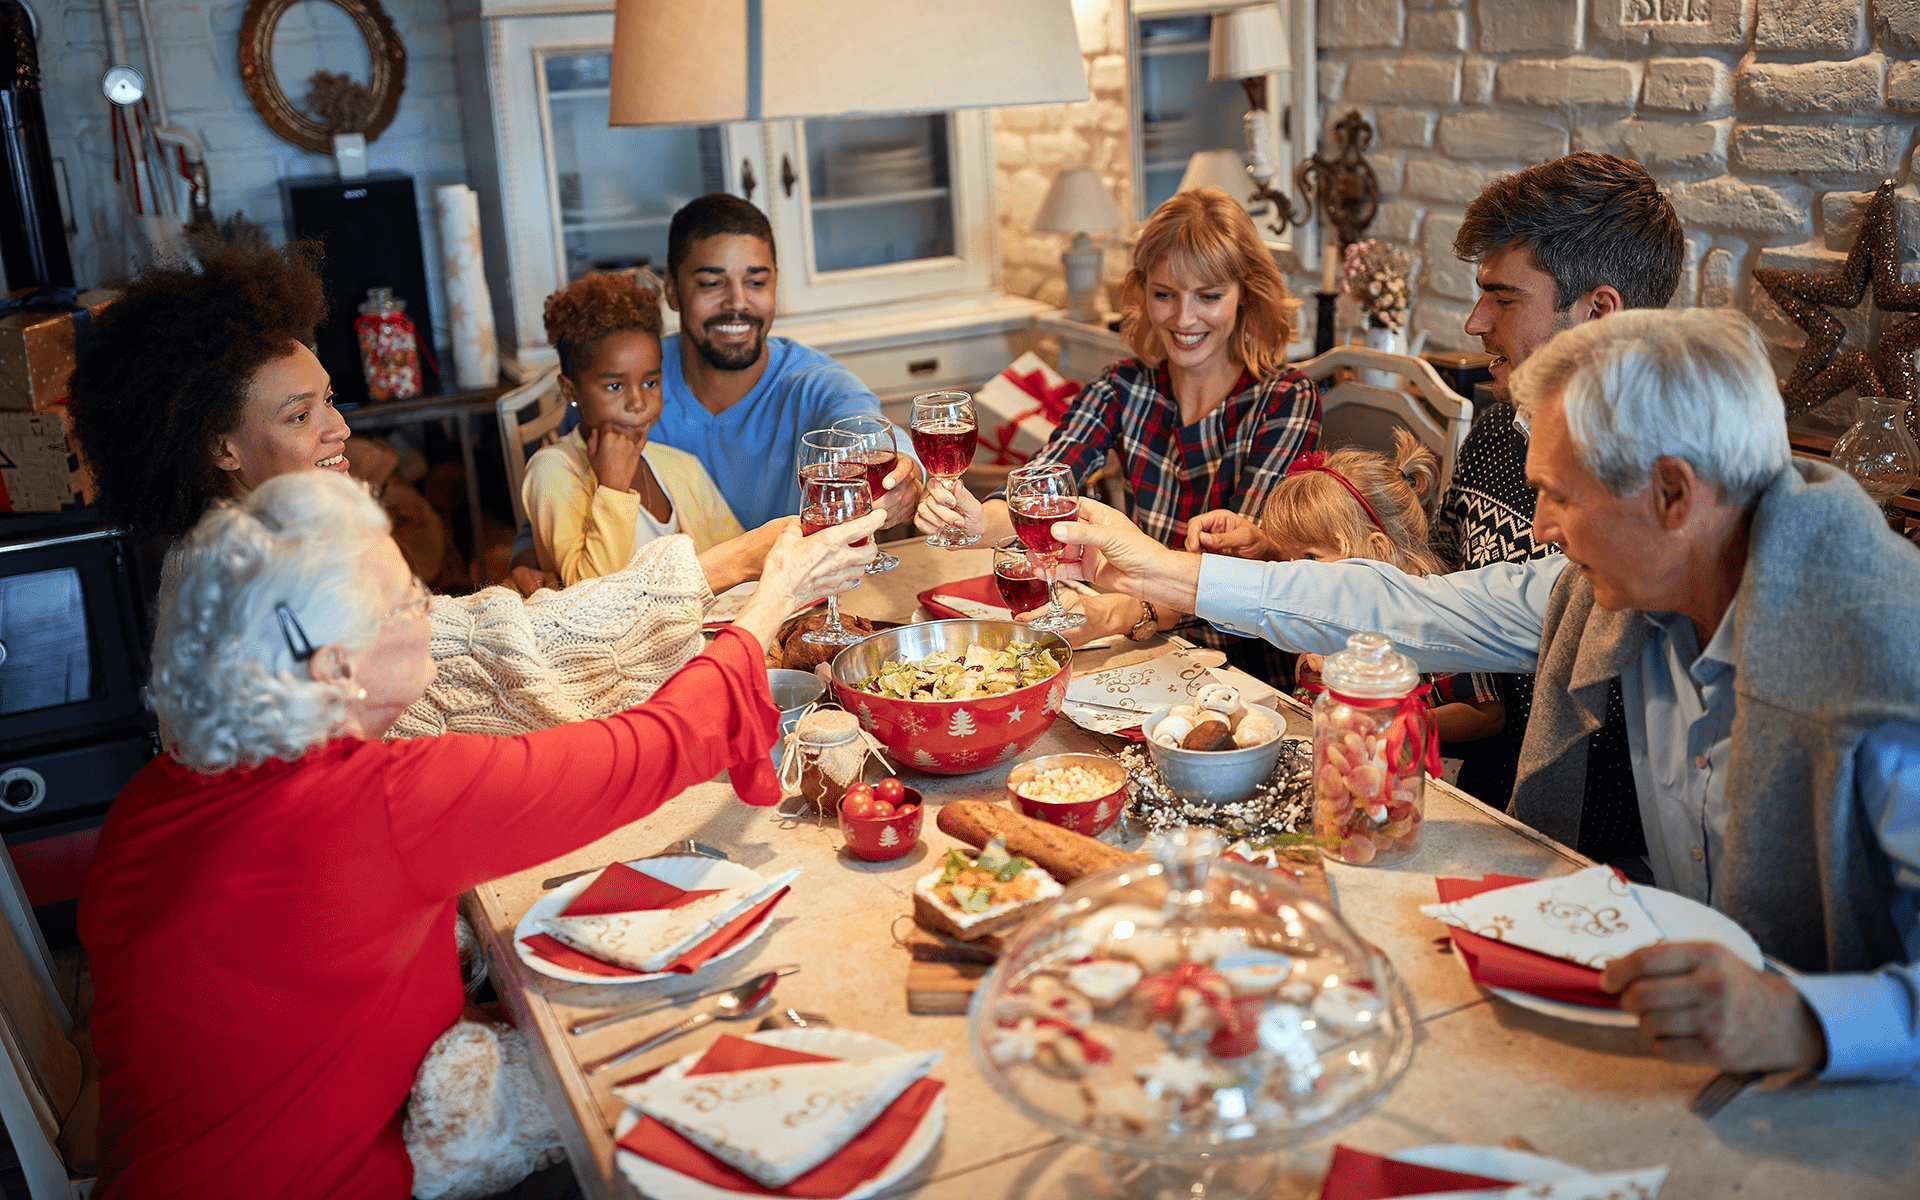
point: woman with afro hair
(197, 386)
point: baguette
(1065, 854)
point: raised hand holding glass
(876, 451)
(1039, 496)
(944, 434)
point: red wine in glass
(814, 518)
(878, 464)
(1019, 587)
(1033, 523)
(945, 447)
(813, 472)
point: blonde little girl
(1361, 504)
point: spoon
(792, 1018)
(602, 1020)
(750, 999)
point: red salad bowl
(883, 838)
(951, 737)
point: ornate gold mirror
(284, 42)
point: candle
(1329, 262)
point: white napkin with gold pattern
(1589, 917)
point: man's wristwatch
(1146, 626)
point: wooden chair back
(1364, 414)
(530, 417)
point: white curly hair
(225, 682)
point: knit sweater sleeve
(580, 528)
(466, 809)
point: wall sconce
(1248, 45)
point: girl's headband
(1316, 460)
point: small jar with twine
(825, 753)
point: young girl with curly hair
(604, 490)
(1354, 503)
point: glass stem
(1047, 570)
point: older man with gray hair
(1761, 619)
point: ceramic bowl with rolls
(1218, 755)
(960, 735)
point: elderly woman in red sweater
(270, 914)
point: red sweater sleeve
(466, 808)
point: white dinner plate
(692, 872)
(664, 1184)
(1680, 920)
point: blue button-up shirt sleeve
(1872, 1021)
(1484, 620)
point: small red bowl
(1091, 817)
(884, 838)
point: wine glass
(828, 500)
(876, 450)
(1014, 579)
(826, 454)
(1039, 496)
(944, 434)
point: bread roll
(1065, 854)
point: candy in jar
(389, 347)
(1373, 745)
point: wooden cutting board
(936, 985)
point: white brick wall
(198, 43)
(1769, 122)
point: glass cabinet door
(616, 189)
(880, 190)
(1178, 112)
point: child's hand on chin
(615, 455)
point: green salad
(980, 672)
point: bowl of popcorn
(1081, 792)
(1215, 750)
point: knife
(601, 1021)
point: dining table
(1484, 1070)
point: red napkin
(1500, 964)
(858, 1161)
(737, 930)
(620, 889)
(980, 588)
(1357, 1175)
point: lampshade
(1248, 42)
(1078, 203)
(697, 61)
(1224, 169)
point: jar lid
(827, 727)
(1371, 667)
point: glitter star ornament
(1826, 366)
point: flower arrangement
(1376, 277)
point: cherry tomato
(882, 810)
(905, 810)
(890, 789)
(860, 788)
(861, 806)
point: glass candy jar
(1189, 1017)
(1373, 745)
(1879, 452)
(389, 347)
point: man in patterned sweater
(1557, 244)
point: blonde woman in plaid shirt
(1206, 414)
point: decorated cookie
(1283, 1033)
(1190, 998)
(1182, 1077)
(1346, 1009)
(1105, 981)
(1254, 972)
(1126, 1102)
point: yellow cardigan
(583, 530)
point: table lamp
(1079, 203)
(1248, 45)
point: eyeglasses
(303, 648)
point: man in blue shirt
(1760, 619)
(736, 398)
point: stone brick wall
(1033, 142)
(1769, 121)
(198, 44)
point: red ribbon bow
(1411, 720)
(1310, 460)
(1053, 402)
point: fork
(1720, 1091)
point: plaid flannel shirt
(1230, 458)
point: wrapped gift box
(38, 473)
(36, 352)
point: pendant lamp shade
(681, 62)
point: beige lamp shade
(1078, 203)
(700, 61)
(1223, 169)
(1248, 42)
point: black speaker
(371, 232)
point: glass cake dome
(1191, 1014)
